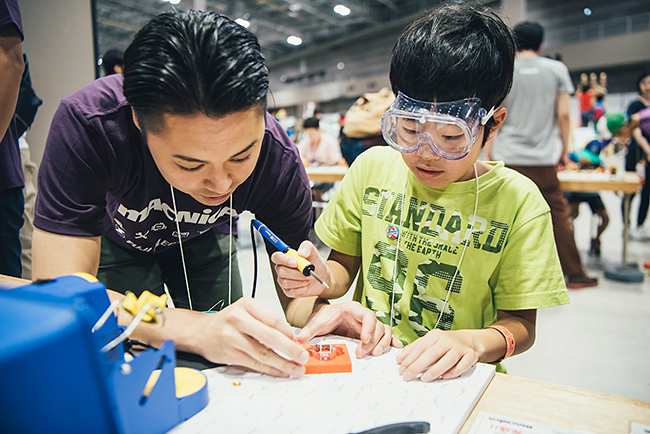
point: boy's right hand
(292, 281)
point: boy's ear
(499, 118)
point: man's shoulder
(274, 133)
(279, 154)
(100, 97)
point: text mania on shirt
(146, 230)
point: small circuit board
(327, 359)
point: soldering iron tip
(322, 282)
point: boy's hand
(438, 354)
(352, 320)
(292, 281)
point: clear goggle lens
(449, 128)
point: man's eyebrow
(189, 159)
(196, 160)
(246, 149)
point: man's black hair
(311, 123)
(185, 63)
(455, 51)
(529, 35)
(111, 59)
(640, 79)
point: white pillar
(200, 5)
(59, 46)
(513, 11)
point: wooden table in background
(326, 173)
(593, 182)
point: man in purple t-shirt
(11, 174)
(143, 173)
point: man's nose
(218, 181)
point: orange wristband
(510, 340)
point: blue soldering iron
(306, 267)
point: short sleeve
(565, 85)
(529, 276)
(72, 178)
(339, 226)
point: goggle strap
(487, 117)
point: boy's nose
(425, 151)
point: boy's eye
(407, 130)
(454, 138)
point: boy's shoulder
(508, 181)
(376, 158)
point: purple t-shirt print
(97, 177)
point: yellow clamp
(133, 305)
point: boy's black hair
(528, 35)
(311, 123)
(111, 59)
(455, 51)
(641, 77)
(184, 63)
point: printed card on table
(490, 423)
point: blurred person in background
(112, 62)
(318, 148)
(534, 138)
(12, 201)
(637, 154)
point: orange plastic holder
(327, 359)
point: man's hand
(437, 354)
(292, 281)
(248, 334)
(352, 320)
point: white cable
(230, 256)
(220, 302)
(399, 237)
(462, 255)
(180, 243)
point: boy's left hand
(438, 354)
(352, 320)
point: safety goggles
(449, 128)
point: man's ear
(135, 120)
(499, 118)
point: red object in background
(327, 359)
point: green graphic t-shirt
(510, 260)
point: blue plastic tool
(306, 267)
(56, 379)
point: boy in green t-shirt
(454, 255)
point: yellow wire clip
(132, 305)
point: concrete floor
(600, 342)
